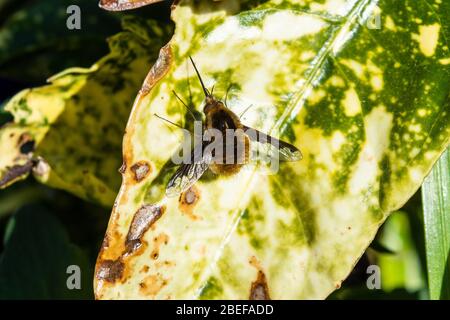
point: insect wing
(188, 173)
(273, 147)
(122, 5)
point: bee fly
(218, 117)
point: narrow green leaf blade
(436, 210)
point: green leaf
(401, 270)
(368, 108)
(36, 257)
(436, 210)
(76, 122)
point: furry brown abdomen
(232, 163)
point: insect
(220, 118)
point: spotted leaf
(360, 86)
(70, 131)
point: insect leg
(172, 123)
(186, 106)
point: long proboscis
(207, 94)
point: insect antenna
(200, 78)
(226, 94)
(184, 104)
(172, 123)
(188, 83)
(246, 109)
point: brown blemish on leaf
(26, 143)
(157, 242)
(152, 284)
(188, 200)
(259, 289)
(145, 269)
(123, 168)
(16, 172)
(158, 70)
(118, 5)
(145, 217)
(165, 263)
(24, 138)
(110, 270)
(156, 73)
(105, 243)
(140, 170)
(254, 262)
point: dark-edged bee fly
(219, 118)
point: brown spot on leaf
(145, 217)
(140, 170)
(158, 70)
(188, 201)
(259, 289)
(145, 269)
(118, 5)
(254, 262)
(165, 263)
(157, 242)
(110, 270)
(123, 168)
(16, 172)
(25, 138)
(152, 284)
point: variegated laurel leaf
(70, 131)
(360, 86)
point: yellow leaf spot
(307, 55)
(377, 82)
(357, 67)
(415, 128)
(278, 26)
(317, 96)
(428, 39)
(337, 140)
(352, 104)
(390, 24)
(378, 125)
(337, 81)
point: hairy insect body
(227, 146)
(233, 151)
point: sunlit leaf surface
(365, 99)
